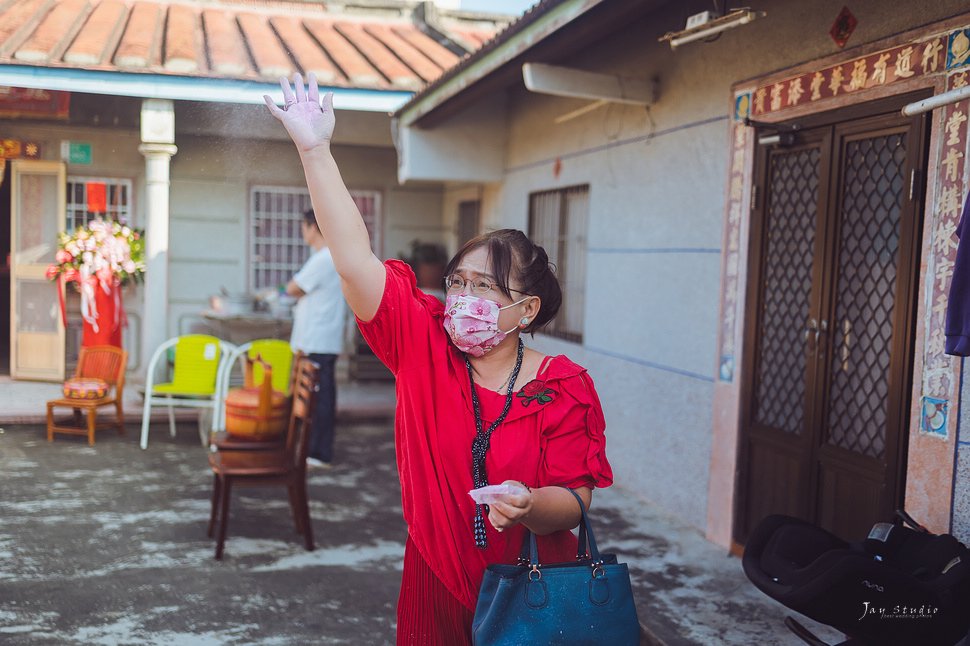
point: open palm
(307, 120)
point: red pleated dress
(553, 439)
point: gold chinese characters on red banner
(18, 102)
(881, 68)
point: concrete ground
(107, 545)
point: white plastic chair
(199, 360)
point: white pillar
(158, 135)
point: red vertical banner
(97, 197)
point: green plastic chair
(279, 356)
(199, 360)
(275, 352)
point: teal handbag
(586, 602)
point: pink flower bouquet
(102, 255)
(108, 252)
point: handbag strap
(587, 542)
(585, 533)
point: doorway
(830, 319)
(37, 199)
(5, 268)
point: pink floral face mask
(472, 323)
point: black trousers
(325, 410)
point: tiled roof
(237, 40)
(481, 48)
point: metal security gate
(830, 322)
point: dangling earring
(523, 322)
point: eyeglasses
(455, 283)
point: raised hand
(307, 120)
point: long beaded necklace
(482, 439)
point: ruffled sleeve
(573, 440)
(407, 320)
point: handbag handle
(587, 542)
(586, 539)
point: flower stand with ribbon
(103, 315)
(99, 258)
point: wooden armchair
(283, 467)
(104, 362)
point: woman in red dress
(474, 405)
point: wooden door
(37, 207)
(830, 323)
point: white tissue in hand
(491, 493)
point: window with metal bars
(276, 247)
(557, 222)
(89, 198)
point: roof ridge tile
(304, 49)
(93, 45)
(271, 59)
(399, 74)
(181, 45)
(18, 21)
(133, 51)
(54, 32)
(225, 46)
(407, 53)
(351, 62)
(438, 53)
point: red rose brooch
(535, 391)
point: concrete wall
(452, 197)
(114, 154)
(211, 176)
(657, 181)
(211, 180)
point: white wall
(452, 197)
(114, 154)
(657, 181)
(211, 179)
(211, 175)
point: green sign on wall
(76, 152)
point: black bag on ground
(589, 601)
(899, 586)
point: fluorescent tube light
(712, 27)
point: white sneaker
(318, 464)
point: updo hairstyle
(511, 255)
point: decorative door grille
(865, 294)
(787, 285)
